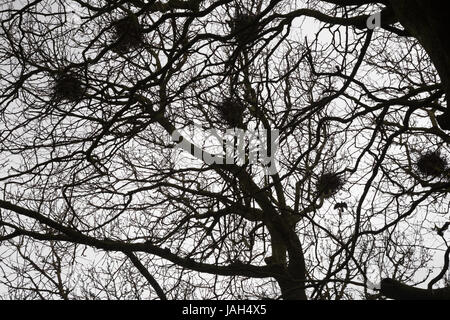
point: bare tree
(98, 200)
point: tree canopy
(98, 201)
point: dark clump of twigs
(231, 111)
(128, 34)
(245, 28)
(432, 164)
(329, 184)
(68, 87)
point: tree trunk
(293, 284)
(291, 290)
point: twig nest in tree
(444, 120)
(231, 111)
(341, 206)
(329, 184)
(245, 28)
(128, 34)
(68, 87)
(432, 164)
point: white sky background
(300, 29)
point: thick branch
(151, 280)
(394, 289)
(74, 236)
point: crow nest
(68, 87)
(128, 34)
(329, 184)
(244, 27)
(432, 164)
(231, 111)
